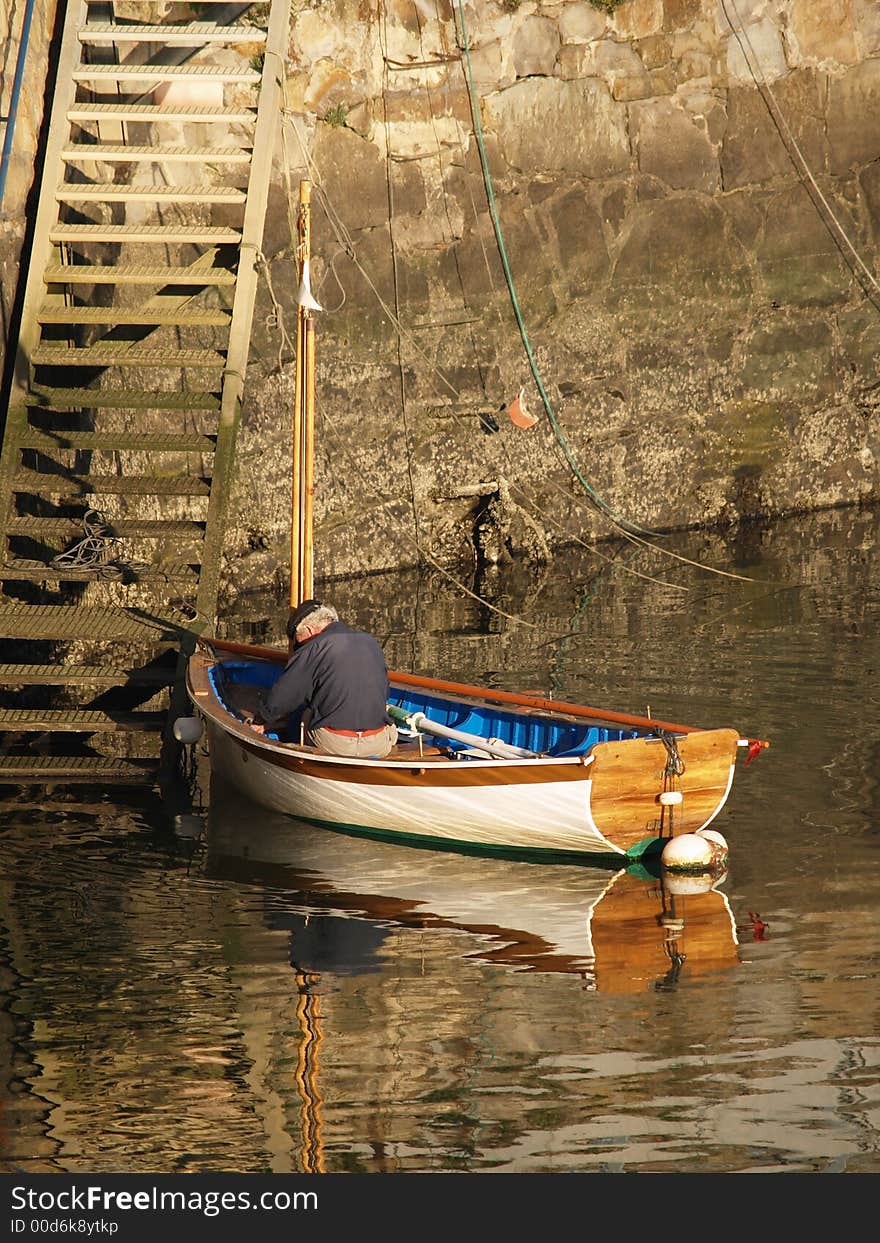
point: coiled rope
(92, 554)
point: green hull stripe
(523, 853)
(647, 846)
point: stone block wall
(689, 199)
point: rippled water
(248, 994)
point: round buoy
(718, 841)
(188, 729)
(687, 853)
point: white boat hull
(528, 815)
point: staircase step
(109, 152)
(123, 354)
(140, 274)
(153, 528)
(101, 274)
(26, 571)
(168, 234)
(79, 721)
(164, 73)
(36, 438)
(131, 315)
(193, 34)
(160, 112)
(109, 485)
(113, 192)
(83, 675)
(142, 528)
(79, 769)
(60, 621)
(119, 399)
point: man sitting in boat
(335, 683)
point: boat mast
(302, 570)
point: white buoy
(188, 729)
(687, 853)
(718, 841)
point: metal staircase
(120, 435)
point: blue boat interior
(543, 735)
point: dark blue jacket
(340, 674)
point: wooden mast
(302, 570)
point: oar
(418, 722)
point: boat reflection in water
(622, 930)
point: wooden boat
(622, 929)
(473, 768)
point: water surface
(246, 994)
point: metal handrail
(14, 98)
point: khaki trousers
(362, 747)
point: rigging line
(797, 156)
(389, 189)
(275, 318)
(496, 225)
(344, 240)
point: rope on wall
(623, 523)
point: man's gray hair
(319, 618)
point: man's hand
(257, 727)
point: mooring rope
(851, 256)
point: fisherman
(335, 684)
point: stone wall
(689, 197)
